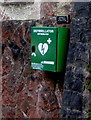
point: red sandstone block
(6, 66)
(54, 115)
(24, 106)
(47, 101)
(27, 70)
(19, 87)
(21, 97)
(18, 113)
(7, 99)
(33, 85)
(8, 112)
(32, 100)
(33, 112)
(25, 90)
(49, 115)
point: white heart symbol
(43, 48)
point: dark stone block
(78, 57)
(72, 100)
(69, 74)
(70, 114)
(73, 84)
(77, 86)
(82, 9)
(71, 53)
(64, 113)
(76, 102)
(85, 101)
(67, 98)
(68, 85)
(77, 51)
(85, 36)
(79, 74)
(79, 21)
(80, 47)
(89, 23)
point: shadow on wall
(56, 76)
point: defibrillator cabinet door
(44, 48)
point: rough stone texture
(13, 10)
(64, 8)
(25, 93)
(76, 97)
(37, 94)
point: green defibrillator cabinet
(49, 46)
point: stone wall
(26, 93)
(75, 102)
(30, 93)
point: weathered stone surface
(15, 10)
(48, 9)
(47, 100)
(70, 114)
(8, 112)
(72, 100)
(38, 94)
(64, 8)
(82, 10)
(25, 92)
(75, 97)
